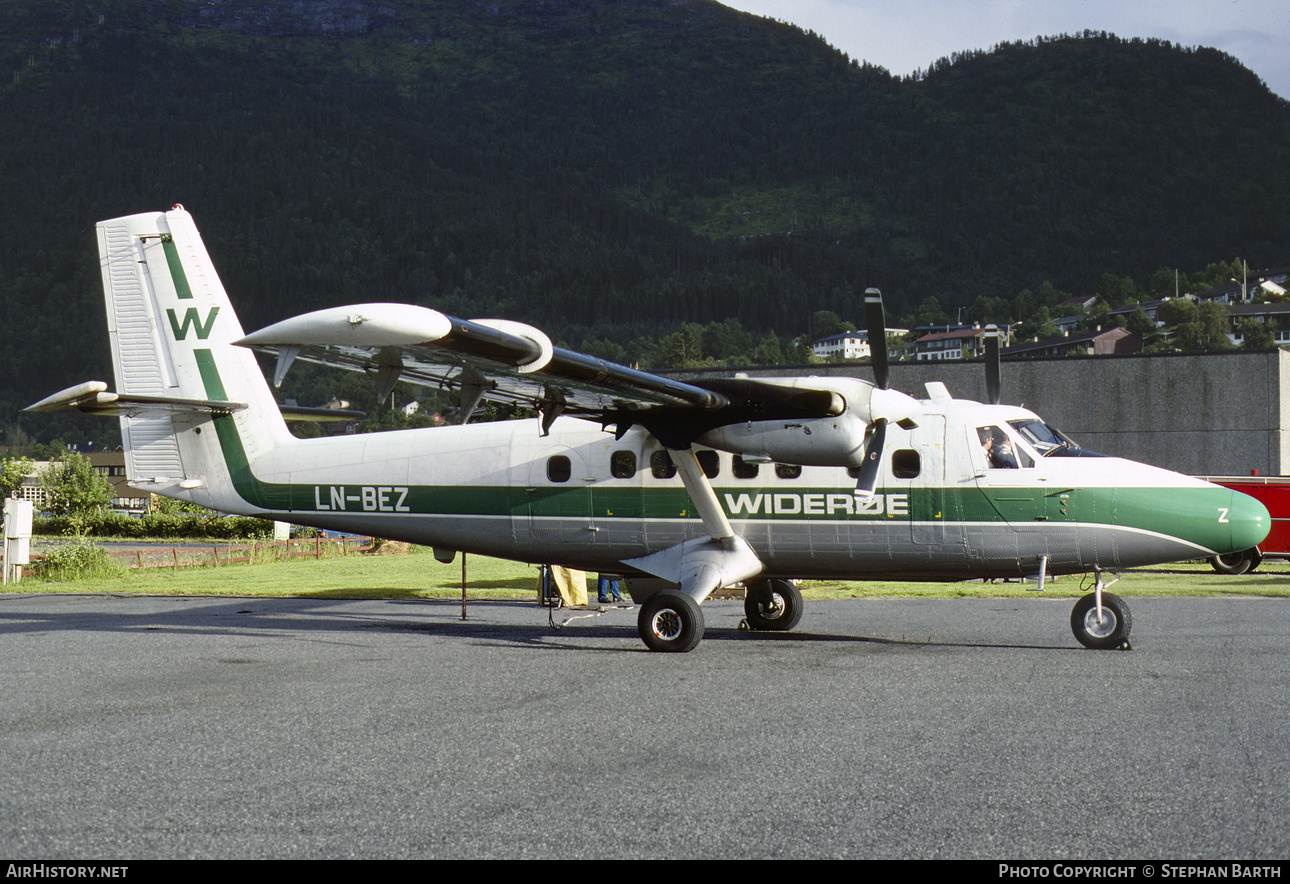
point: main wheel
(1237, 562)
(1110, 631)
(1232, 563)
(671, 621)
(774, 605)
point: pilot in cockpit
(997, 447)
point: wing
(508, 361)
(513, 362)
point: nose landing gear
(1102, 627)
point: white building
(843, 345)
(847, 345)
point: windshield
(1044, 438)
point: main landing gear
(1237, 563)
(772, 605)
(672, 621)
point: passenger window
(558, 469)
(906, 464)
(709, 462)
(622, 464)
(788, 470)
(743, 469)
(660, 464)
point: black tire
(773, 605)
(1112, 632)
(670, 621)
(1235, 563)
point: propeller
(875, 436)
(991, 341)
(876, 325)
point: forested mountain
(605, 170)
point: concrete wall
(1200, 414)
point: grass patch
(421, 576)
(349, 576)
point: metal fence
(196, 555)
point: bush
(74, 488)
(78, 561)
(158, 525)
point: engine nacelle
(834, 441)
(820, 442)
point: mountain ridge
(606, 171)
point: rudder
(172, 330)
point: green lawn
(419, 575)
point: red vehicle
(1274, 493)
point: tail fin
(172, 327)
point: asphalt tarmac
(135, 728)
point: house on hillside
(32, 489)
(111, 465)
(1150, 308)
(1098, 343)
(843, 345)
(1276, 316)
(849, 345)
(960, 343)
(1255, 286)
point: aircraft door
(558, 499)
(1007, 477)
(923, 467)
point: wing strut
(701, 493)
(702, 564)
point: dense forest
(662, 181)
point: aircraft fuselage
(579, 497)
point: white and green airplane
(684, 487)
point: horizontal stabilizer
(320, 415)
(92, 397)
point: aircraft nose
(1248, 521)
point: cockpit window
(1046, 439)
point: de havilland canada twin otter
(683, 486)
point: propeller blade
(876, 324)
(991, 341)
(875, 439)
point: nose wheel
(1103, 629)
